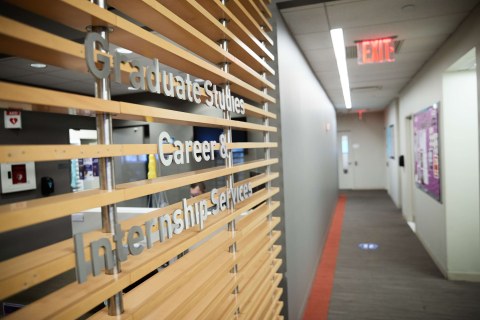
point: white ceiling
(424, 25)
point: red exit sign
(376, 51)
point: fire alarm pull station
(18, 177)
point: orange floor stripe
(319, 299)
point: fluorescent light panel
(339, 49)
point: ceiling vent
(351, 51)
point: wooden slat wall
(211, 281)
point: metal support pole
(229, 160)
(266, 139)
(106, 167)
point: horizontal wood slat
(278, 305)
(27, 270)
(260, 283)
(253, 39)
(175, 306)
(24, 213)
(202, 284)
(21, 40)
(258, 113)
(264, 8)
(246, 225)
(268, 313)
(26, 153)
(217, 308)
(262, 245)
(142, 188)
(255, 305)
(254, 10)
(208, 22)
(262, 307)
(164, 21)
(70, 302)
(151, 114)
(79, 14)
(258, 29)
(257, 231)
(248, 272)
(17, 39)
(263, 295)
(133, 270)
(142, 299)
(278, 309)
(27, 97)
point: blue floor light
(368, 246)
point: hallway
(398, 280)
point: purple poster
(426, 151)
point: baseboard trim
(440, 267)
(462, 276)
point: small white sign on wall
(13, 119)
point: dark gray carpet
(398, 280)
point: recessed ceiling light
(199, 80)
(38, 65)
(123, 50)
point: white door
(346, 168)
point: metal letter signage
(137, 240)
(148, 77)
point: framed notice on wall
(390, 142)
(426, 151)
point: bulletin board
(390, 142)
(426, 151)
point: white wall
(309, 168)
(393, 169)
(368, 148)
(424, 90)
(461, 174)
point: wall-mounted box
(18, 177)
